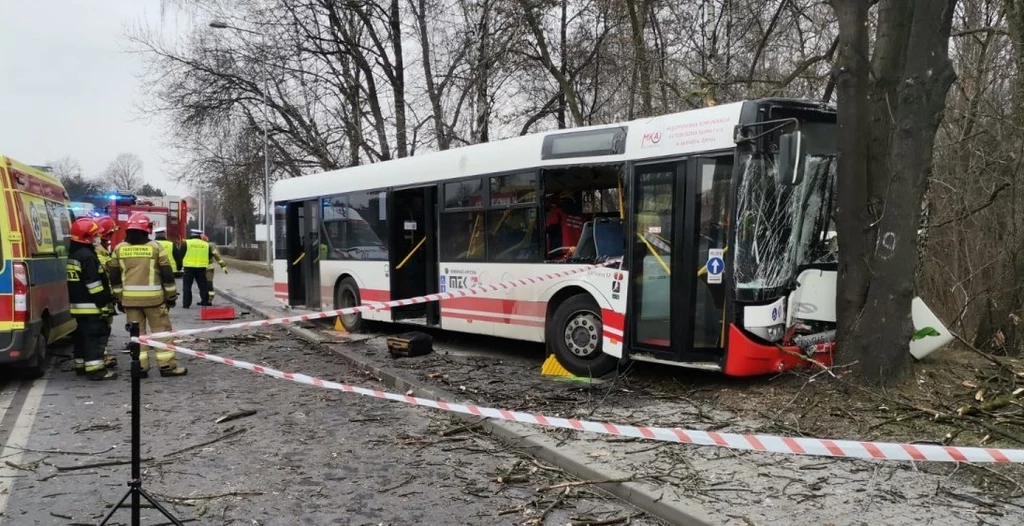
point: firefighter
(107, 229)
(197, 259)
(143, 287)
(89, 294)
(215, 254)
(160, 234)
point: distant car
(35, 223)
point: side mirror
(792, 151)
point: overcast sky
(71, 88)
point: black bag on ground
(410, 344)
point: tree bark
(889, 112)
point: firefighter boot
(103, 374)
(173, 370)
(79, 367)
(109, 360)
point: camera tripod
(135, 490)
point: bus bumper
(19, 344)
(747, 357)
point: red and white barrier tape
(766, 443)
(460, 293)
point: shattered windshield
(782, 227)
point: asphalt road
(306, 456)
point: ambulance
(35, 224)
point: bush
(243, 253)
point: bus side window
(462, 235)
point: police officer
(215, 254)
(89, 294)
(160, 234)
(197, 259)
(107, 229)
(143, 286)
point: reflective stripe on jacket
(141, 275)
(197, 255)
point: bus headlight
(775, 332)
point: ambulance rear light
(20, 292)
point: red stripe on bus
(498, 306)
(471, 317)
(374, 295)
(280, 287)
(613, 319)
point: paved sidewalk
(257, 290)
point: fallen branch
(396, 486)
(577, 483)
(537, 521)
(103, 464)
(59, 452)
(171, 498)
(235, 416)
(604, 522)
(984, 354)
(17, 466)
(208, 442)
(462, 428)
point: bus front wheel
(575, 337)
(347, 295)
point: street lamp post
(220, 24)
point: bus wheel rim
(348, 299)
(582, 333)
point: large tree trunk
(889, 111)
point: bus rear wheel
(347, 295)
(574, 335)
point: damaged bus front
(785, 244)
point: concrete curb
(520, 436)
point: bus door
(412, 216)
(668, 313)
(312, 248)
(303, 219)
(295, 226)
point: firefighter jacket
(168, 247)
(197, 253)
(215, 254)
(88, 290)
(141, 275)
(104, 256)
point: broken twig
(235, 416)
(208, 442)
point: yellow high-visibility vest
(168, 247)
(197, 255)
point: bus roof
(704, 129)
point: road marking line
(13, 451)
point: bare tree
(125, 172)
(66, 167)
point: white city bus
(719, 218)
